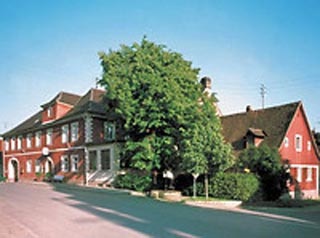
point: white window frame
(309, 174)
(6, 144)
(13, 143)
(309, 145)
(65, 134)
(74, 163)
(286, 142)
(299, 174)
(49, 112)
(107, 126)
(74, 131)
(298, 142)
(29, 166)
(19, 143)
(65, 167)
(29, 140)
(38, 139)
(49, 134)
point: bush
(2, 178)
(133, 181)
(234, 186)
(189, 190)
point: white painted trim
(303, 166)
(309, 166)
(40, 151)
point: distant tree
(155, 94)
(266, 163)
(316, 136)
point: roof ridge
(264, 109)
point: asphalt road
(34, 210)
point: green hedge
(234, 186)
(133, 181)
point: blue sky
(50, 46)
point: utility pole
(263, 93)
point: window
(286, 142)
(93, 160)
(37, 166)
(29, 166)
(109, 131)
(64, 163)
(13, 143)
(49, 137)
(38, 138)
(74, 163)
(298, 143)
(19, 143)
(49, 112)
(309, 145)
(65, 134)
(6, 144)
(299, 174)
(105, 159)
(74, 131)
(29, 140)
(309, 174)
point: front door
(13, 171)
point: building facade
(284, 127)
(71, 136)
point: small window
(6, 144)
(13, 143)
(74, 163)
(19, 143)
(74, 131)
(29, 166)
(109, 131)
(49, 137)
(38, 138)
(298, 143)
(29, 140)
(309, 174)
(49, 112)
(286, 142)
(309, 145)
(65, 134)
(299, 174)
(64, 163)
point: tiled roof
(273, 121)
(64, 97)
(91, 102)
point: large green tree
(155, 93)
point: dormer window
(49, 112)
(254, 137)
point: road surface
(58, 210)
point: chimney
(206, 83)
(249, 108)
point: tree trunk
(206, 186)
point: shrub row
(132, 181)
(236, 186)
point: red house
(285, 127)
(71, 136)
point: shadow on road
(145, 215)
(162, 219)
